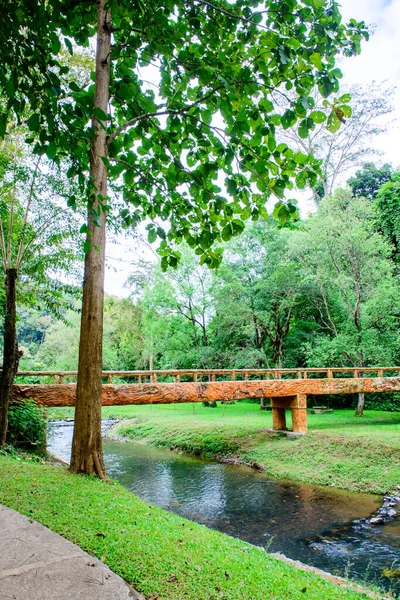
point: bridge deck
(286, 388)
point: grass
(162, 555)
(340, 450)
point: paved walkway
(38, 564)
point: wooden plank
(169, 393)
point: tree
(213, 118)
(366, 182)
(187, 292)
(388, 211)
(341, 149)
(259, 292)
(36, 244)
(176, 310)
(348, 262)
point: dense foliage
(225, 78)
(324, 291)
(27, 426)
(210, 116)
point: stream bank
(340, 451)
(323, 527)
(159, 553)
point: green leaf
(300, 158)
(301, 180)
(206, 115)
(315, 59)
(284, 55)
(345, 110)
(86, 246)
(68, 44)
(100, 114)
(74, 87)
(288, 119)
(333, 124)
(345, 98)
(56, 46)
(326, 87)
(152, 236)
(303, 129)
(3, 125)
(51, 151)
(226, 109)
(293, 43)
(34, 122)
(11, 86)
(226, 233)
(237, 226)
(71, 202)
(231, 186)
(126, 91)
(318, 116)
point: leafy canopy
(195, 103)
(368, 180)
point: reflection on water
(322, 527)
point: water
(319, 526)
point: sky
(378, 62)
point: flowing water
(319, 526)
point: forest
(318, 291)
(237, 154)
(204, 126)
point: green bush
(27, 426)
(389, 401)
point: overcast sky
(379, 61)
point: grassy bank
(340, 450)
(160, 554)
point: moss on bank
(160, 554)
(340, 450)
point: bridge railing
(206, 375)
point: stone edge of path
(39, 564)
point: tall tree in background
(367, 181)
(388, 211)
(341, 149)
(348, 262)
(258, 292)
(212, 118)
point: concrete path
(38, 564)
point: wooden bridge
(287, 389)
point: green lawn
(339, 450)
(160, 554)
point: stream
(320, 526)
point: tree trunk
(360, 404)
(11, 354)
(87, 452)
(361, 400)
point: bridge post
(297, 404)
(278, 417)
(299, 414)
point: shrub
(389, 402)
(27, 426)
